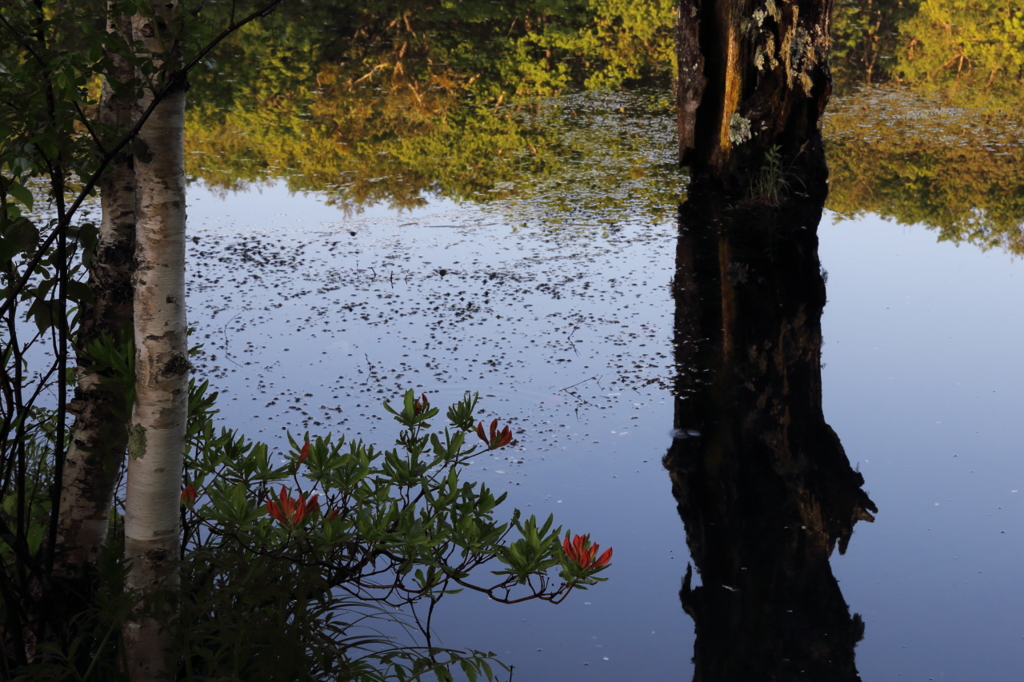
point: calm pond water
(553, 298)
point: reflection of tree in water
(922, 160)
(396, 103)
(397, 108)
(972, 49)
(866, 40)
(941, 142)
(763, 484)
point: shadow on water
(762, 483)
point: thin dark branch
(263, 11)
(88, 126)
(59, 453)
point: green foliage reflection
(920, 160)
(866, 40)
(395, 104)
(971, 48)
(366, 132)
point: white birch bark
(157, 436)
(96, 451)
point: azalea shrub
(328, 563)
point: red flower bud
(582, 552)
(291, 512)
(188, 496)
(497, 439)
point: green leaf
(34, 538)
(20, 236)
(80, 292)
(45, 313)
(469, 669)
(21, 193)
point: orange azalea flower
(304, 453)
(188, 496)
(498, 439)
(421, 405)
(583, 553)
(291, 512)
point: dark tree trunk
(101, 405)
(762, 482)
(753, 79)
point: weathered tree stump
(753, 84)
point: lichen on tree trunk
(753, 79)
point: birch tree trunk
(157, 436)
(753, 77)
(100, 435)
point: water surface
(558, 309)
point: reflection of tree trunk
(752, 76)
(763, 485)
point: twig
(88, 126)
(569, 339)
(579, 382)
(227, 343)
(568, 390)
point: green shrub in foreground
(328, 566)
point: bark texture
(753, 76)
(157, 436)
(100, 434)
(762, 483)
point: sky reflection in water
(310, 320)
(923, 384)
